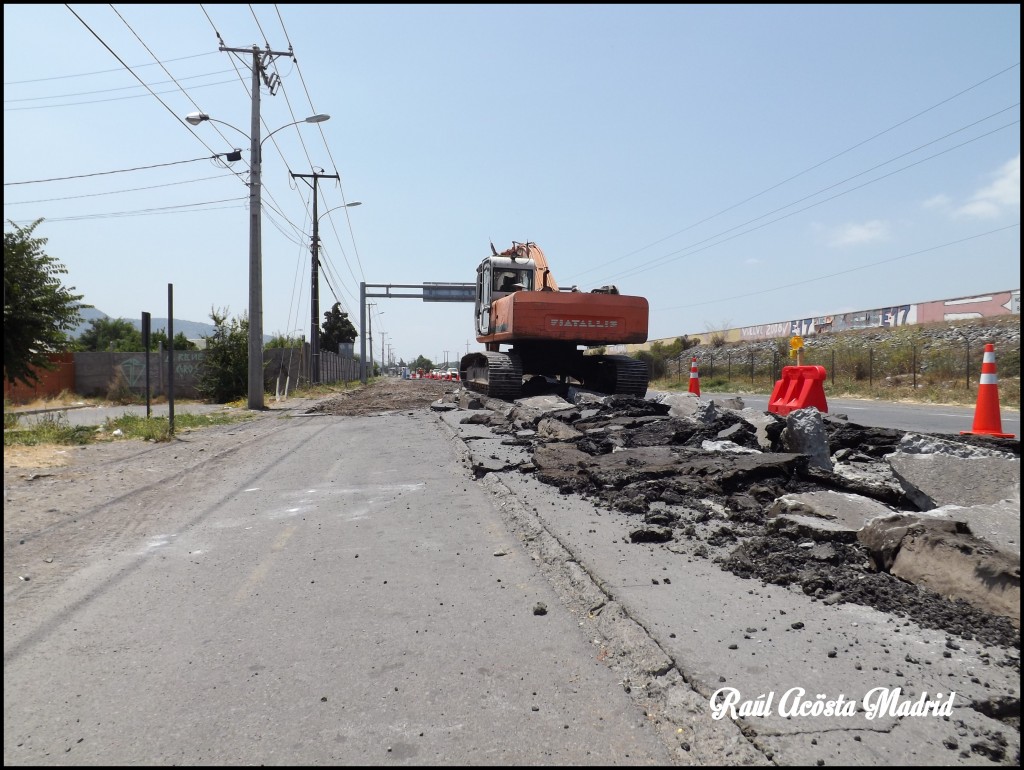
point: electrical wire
(111, 99)
(143, 212)
(348, 214)
(104, 173)
(841, 272)
(100, 72)
(676, 255)
(805, 171)
(135, 75)
(108, 90)
(114, 192)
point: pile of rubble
(923, 526)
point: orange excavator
(518, 303)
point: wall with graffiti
(956, 309)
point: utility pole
(445, 359)
(259, 60)
(369, 330)
(314, 280)
(383, 361)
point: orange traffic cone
(694, 377)
(987, 421)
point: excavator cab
(497, 277)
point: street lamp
(314, 283)
(255, 242)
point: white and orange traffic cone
(694, 377)
(987, 421)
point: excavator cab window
(511, 280)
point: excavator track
(620, 375)
(499, 375)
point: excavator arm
(543, 280)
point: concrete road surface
(334, 591)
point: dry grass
(62, 399)
(39, 456)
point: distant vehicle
(452, 374)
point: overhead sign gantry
(428, 292)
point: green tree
(422, 362)
(181, 342)
(116, 334)
(337, 328)
(39, 310)
(284, 341)
(224, 371)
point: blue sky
(735, 165)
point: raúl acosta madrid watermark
(795, 702)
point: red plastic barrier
(800, 387)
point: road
(328, 593)
(315, 589)
(927, 418)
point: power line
(111, 99)
(103, 173)
(142, 212)
(108, 90)
(348, 214)
(100, 72)
(115, 192)
(266, 40)
(805, 171)
(673, 256)
(135, 75)
(165, 106)
(842, 272)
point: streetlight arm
(195, 118)
(343, 206)
(310, 119)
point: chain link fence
(890, 368)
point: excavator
(519, 304)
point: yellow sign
(796, 342)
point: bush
(656, 365)
(119, 391)
(224, 372)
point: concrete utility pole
(259, 61)
(314, 280)
(369, 330)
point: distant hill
(192, 330)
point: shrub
(119, 391)
(224, 372)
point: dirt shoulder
(385, 395)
